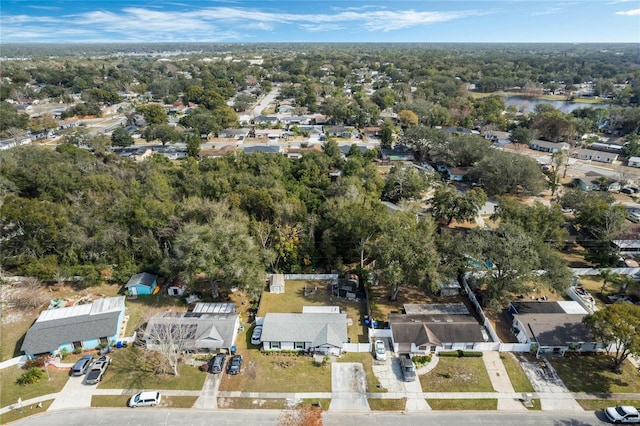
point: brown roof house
(434, 328)
(552, 327)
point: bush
(36, 362)
(460, 353)
(471, 354)
(450, 354)
(32, 376)
(424, 359)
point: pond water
(526, 105)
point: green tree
(407, 118)
(607, 276)
(121, 137)
(153, 114)
(406, 254)
(447, 204)
(386, 138)
(193, 144)
(404, 183)
(617, 327)
(508, 173)
(166, 133)
(522, 135)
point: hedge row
(460, 354)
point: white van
(145, 399)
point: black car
(235, 364)
(216, 365)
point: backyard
(293, 299)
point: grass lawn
(380, 404)
(29, 410)
(134, 368)
(278, 372)
(12, 391)
(457, 375)
(601, 404)
(593, 373)
(367, 363)
(463, 404)
(121, 401)
(15, 324)
(518, 379)
(293, 299)
(252, 403)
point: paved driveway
(348, 387)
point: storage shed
(276, 284)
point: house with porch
(77, 327)
(431, 328)
(545, 146)
(318, 332)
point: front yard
(592, 373)
(135, 368)
(457, 375)
(11, 391)
(273, 372)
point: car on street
(257, 333)
(216, 365)
(381, 351)
(235, 364)
(82, 365)
(623, 414)
(97, 370)
(408, 368)
(145, 399)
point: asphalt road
(157, 416)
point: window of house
(299, 345)
(433, 348)
(77, 345)
(422, 348)
(275, 345)
(448, 345)
(468, 346)
(104, 340)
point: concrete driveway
(348, 387)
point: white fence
(13, 361)
(380, 332)
(356, 347)
(515, 347)
(310, 276)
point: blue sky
(240, 21)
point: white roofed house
(317, 332)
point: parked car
(408, 368)
(381, 351)
(145, 399)
(627, 191)
(97, 370)
(81, 367)
(257, 333)
(235, 364)
(216, 365)
(623, 414)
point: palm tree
(607, 276)
(624, 282)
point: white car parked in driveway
(380, 350)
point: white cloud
(633, 12)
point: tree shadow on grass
(138, 368)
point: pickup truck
(408, 368)
(623, 414)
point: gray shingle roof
(436, 329)
(143, 278)
(555, 329)
(317, 328)
(76, 323)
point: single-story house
(586, 185)
(457, 130)
(75, 327)
(633, 162)
(142, 284)
(345, 149)
(545, 146)
(398, 153)
(239, 134)
(346, 132)
(266, 119)
(457, 173)
(323, 333)
(434, 328)
(372, 132)
(592, 155)
(210, 327)
(262, 148)
(552, 327)
(625, 247)
(296, 119)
